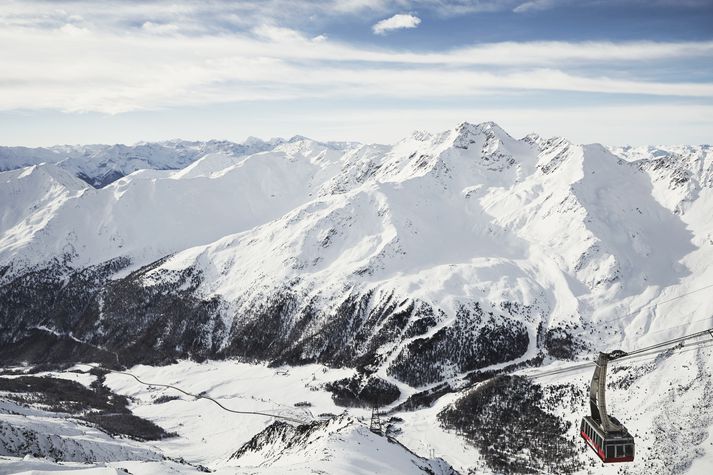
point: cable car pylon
(375, 425)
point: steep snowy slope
(31, 198)
(329, 446)
(26, 430)
(680, 173)
(471, 229)
(154, 213)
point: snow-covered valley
(345, 275)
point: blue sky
(610, 71)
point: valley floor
(674, 435)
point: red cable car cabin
(610, 447)
(603, 433)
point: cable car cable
(578, 368)
(654, 304)
(661, 347)
(668, 343)
(681, 325)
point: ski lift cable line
(579, 368)
(657, 348)
(669, 342)
(662, 344)
(201, 396)
(654, 304)
(708, 332)
(707, 319)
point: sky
(610, 71)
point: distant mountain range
(100, 165)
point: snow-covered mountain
(100, 165)
(328, 446)
(434, 239)
(421, 265)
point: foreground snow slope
(329, 446)
(36, 431)
(210, 437)
(666, 401)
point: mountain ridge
(443, 221)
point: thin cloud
(77, 63)
(541, 5)
(119, 74)
(200, 17)
(397, 22)
(534, 5)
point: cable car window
(629, 450)
(619, 451)
(610, 451)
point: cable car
(608, 437)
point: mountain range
(422, 265)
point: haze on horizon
(610, 71)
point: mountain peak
(533, 138)
(487, 133)
(49, 172)
(252, 140)
(300, 138)
(488, 126)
